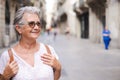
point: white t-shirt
(40, 71)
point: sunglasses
(33, 23)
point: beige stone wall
(113, 21)
(4, 38)
(12, 14)
(95, 27)
(119, 27)
(72, 20)
(2, 22)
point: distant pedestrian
(55, 28)
(48, 31)
(48, 35)
(55, 33)
(106, 37)
(67, 32)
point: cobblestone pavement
(83, 60)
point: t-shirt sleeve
(3, 61)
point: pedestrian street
(84, 60)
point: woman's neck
(27, 44)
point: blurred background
(81, 52)
(86, 18)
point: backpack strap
(48, 49)
(11, 58)
(49, 52)
(10, 55)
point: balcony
(80, 7)
(96, 3)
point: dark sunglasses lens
(38, 24)
(31, 24)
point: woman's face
(32, 26)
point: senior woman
(31, 59)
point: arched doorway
(84, 20)
(62, 22)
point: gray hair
(28, 9)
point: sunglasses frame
(31, 24)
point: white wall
(112, 20)
(72, 20)
(51, 8)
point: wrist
(5, 77)
(58, 68)
(2, 77)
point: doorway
(84, 20)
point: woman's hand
(53, 62)
(10, 70)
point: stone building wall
(96, 26)
(2, 22)
(7, 38)
(113, 21)
(72, 21)
(12, 35)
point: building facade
(67, 17)
(7, 13)
(2, 22)
(94, 15)
(86, 18)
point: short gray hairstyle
(27, 9)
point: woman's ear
(18, 29)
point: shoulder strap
(10, 55)
(48, 49)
